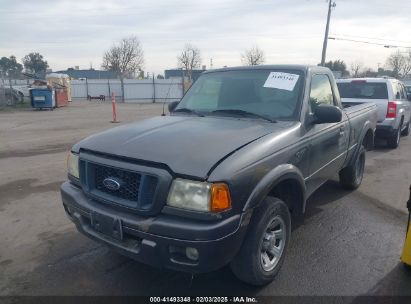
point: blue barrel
(42, 99)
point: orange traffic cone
(113, 106)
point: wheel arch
(285, 182)
(365, 139)
(368, 139)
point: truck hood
(188, 145)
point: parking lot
(348, 244)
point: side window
(403, 92)
(321, 92)
(396, 90)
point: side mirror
(173, 105)
(327, 114)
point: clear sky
(73, 32)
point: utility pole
(331, 4)
(154, 89)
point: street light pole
(331, 4)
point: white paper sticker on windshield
(280, 80)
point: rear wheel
(406, 131)
(394, 141)
(351, 176)
(263, 251)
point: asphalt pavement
(348, 244)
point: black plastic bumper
(384, 131)
(160, 241)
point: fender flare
(367, 127)
(401, 116)
(273, 178)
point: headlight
(199, 196)
(72, 165)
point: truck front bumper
(160, 241)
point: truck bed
(359, 114)
(356, 108)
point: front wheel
(351, 176)
(262, 253)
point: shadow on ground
(396, 283)
(74, 265)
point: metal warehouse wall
(135, 90)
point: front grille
(130, 182)
(133, 189)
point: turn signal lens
(220, 198)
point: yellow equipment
(406, 254)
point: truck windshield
(363, 90)
(269, 94)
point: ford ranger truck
(218, 180)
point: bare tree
(356, 68)
(407, 69)
(189, 59)
(124, 58)
(400, 64)
(253, 56)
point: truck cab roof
(299, 67)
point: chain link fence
(2, 94)
(11, 94)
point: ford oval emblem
(111, 183)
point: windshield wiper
(186, 110)
(243, 113)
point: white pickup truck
(390, 96)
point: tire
(249, 265)
(394, 141)
(406, 131)
(351, 176)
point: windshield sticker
(282, 81)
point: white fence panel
(135, 90)
(138, 89)
(168, 89)
(21, 81)
(78, 89)
(97, 88)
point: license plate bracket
(107, 225)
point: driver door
(328, 141)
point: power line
(372, 38)
(369, 42)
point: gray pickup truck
(218, 180)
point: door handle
(342, 131)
